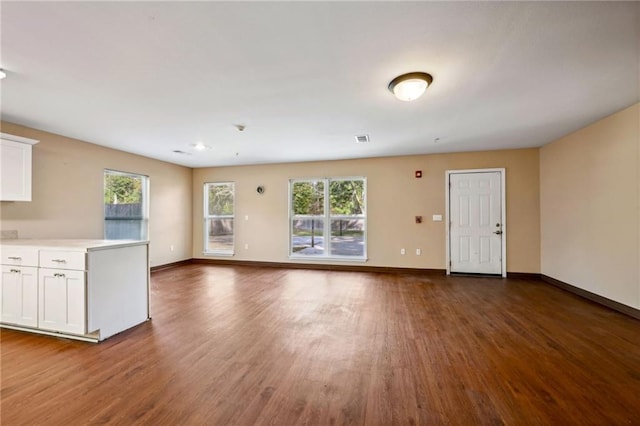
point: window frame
(327, 218)
(144, 218)
(208, 217)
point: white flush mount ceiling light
(3, 74)
(410, 86)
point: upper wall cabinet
(15, 167)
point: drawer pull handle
(58, 275)
(59, 260)
(15, 258)
(15, 271)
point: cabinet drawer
(62, 259)
(19, 256)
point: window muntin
(328, 218)
(126, 206)
(219, 217)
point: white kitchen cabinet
(15, 167)
(61, 300)
(85, 289)
(19, 295)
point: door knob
(498, 232)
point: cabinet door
(19, 295)
(15, 184)
(62, 302)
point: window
(219, 200)
(328, 218)
(126, 200)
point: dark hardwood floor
(247, 345)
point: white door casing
(476, 217)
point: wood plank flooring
(246, 345)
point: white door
(476, 224)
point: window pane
(221, 199)
(124, 206)
(307, 198)
(123, 189)
(123, 229)
(346, 197)
(347, 237)
(337, 230)
(220, 235)
(307, 237)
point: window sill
(218, 253)
(324, 259)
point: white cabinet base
(91, 337)
(84, 289)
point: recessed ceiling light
(200, 146)
(3, 74)
(410, 86)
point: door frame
(503, 213)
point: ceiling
(306, 77)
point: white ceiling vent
(362, 138)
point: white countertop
(80, 245)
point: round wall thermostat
(260, 189)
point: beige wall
(394, 198)
(573, 206)
(68, 187)
(590, 208)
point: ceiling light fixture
(3, 74)
(410, 86)
(200, 146)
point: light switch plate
(437, 218)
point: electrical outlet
(402, 251)
(171, 247)
(418, 252)
(246, 246)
